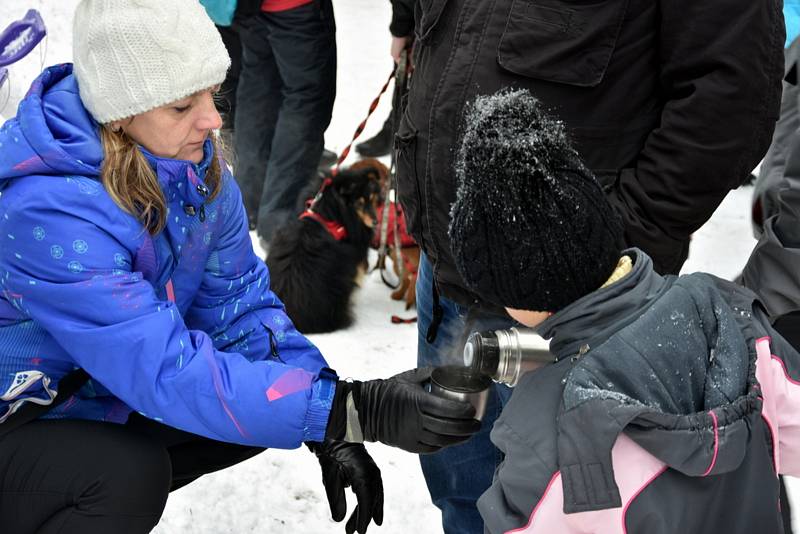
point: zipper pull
(202, 212)
(581, 352)
(273, 347)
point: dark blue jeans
(458, 475)
(284, 100)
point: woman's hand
(349, 464)
(398, 45)
(400, 412)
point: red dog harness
(335, 229)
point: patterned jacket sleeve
(112, 324)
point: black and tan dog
(315, 261)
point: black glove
(401, 413)
(349, 464)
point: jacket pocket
(408, 186)
(564, 41)
(428, 14)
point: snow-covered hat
(132, 56)
(531, 228)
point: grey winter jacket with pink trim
(672, 403)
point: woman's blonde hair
(132, 183)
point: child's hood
(52, 133)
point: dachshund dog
(316, 260)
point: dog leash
(403, 69)
(383, 249)
(402, 72)
(362, 125)
(309, 212)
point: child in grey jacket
(672, 404)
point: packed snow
(281, 491)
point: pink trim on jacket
(634, 469)
(716, 443)
(785, 372)
(781, 407)
(556, 476)
(633, 498)
(768, 405)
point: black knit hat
(531, 228)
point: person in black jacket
(670, 104)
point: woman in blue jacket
(125, 255)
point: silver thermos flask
(505, 355)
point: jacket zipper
(273, 346)
(581, 353)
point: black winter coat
(670, 102)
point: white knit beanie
(132, 56)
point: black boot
(378, 145)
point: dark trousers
(86, 477)
(226, 98)
(287, 86)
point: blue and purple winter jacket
(82, 284)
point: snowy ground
(281, 491)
